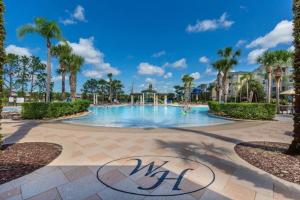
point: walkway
(210, 166)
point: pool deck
(73, 175)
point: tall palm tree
(295, 145)
(110, 75)
(230, 58)
(283, 59)
(268, 61)
(187, 81)
(219, 66)
(61, 51)
(73, 63)
(2, 57)
(48, 30)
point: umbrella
(288, 92)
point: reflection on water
(147, 116)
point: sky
(155, 41)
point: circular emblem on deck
(155, 175)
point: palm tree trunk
(73, 85)
(269, 87)
(277, 95)
(247, 85)
(48, 70)
(63, 83)
(295, 145)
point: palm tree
(295, 145)
(187, 81)
(268, 61)
(229, 57)
(247, 77)
(110, 75)
(117, 87)
(219, 66)
(73, 63)
(283, 59)
(2, 58)
(203, 88)
(61, 51)
(48, 30)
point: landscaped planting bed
(271, 157)
(253, 111)
(19, 159)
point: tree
(187, 84)
(23, 74)
(256, 88)
(268, 61)
(73, 63)
(110, 75)
(229, 58)
(48, 30)
(90, 87)
(2, 58)
(117, 88)
(203, 88)
(36, 73)
(294, 148)
(61, 51)
(103, 88)
(10, 67)
(247, 77)
(283, 59)
(219, 66)
(179, 90)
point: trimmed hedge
(258, 111)
(40, 110)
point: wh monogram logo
(153, 171)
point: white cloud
(195, 75)
(79, 13)
(291, 48)
(253, 55)
(150, 80)
(21, 51)
(281, 34)
(203, 59)
(181, 63)
(209, 71)
(146, 68)
(240, 43)
(168, 75)
(210, 24)
(159, 54)
(92, 55)
(67, 21)
(58, 78)
(92, 74)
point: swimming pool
(147, 116)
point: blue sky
(154, 41)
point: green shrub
(258, 111)
(40, 110)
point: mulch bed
(19, 159)
(271, 157)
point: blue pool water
(147, 116)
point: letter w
(151, 167)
